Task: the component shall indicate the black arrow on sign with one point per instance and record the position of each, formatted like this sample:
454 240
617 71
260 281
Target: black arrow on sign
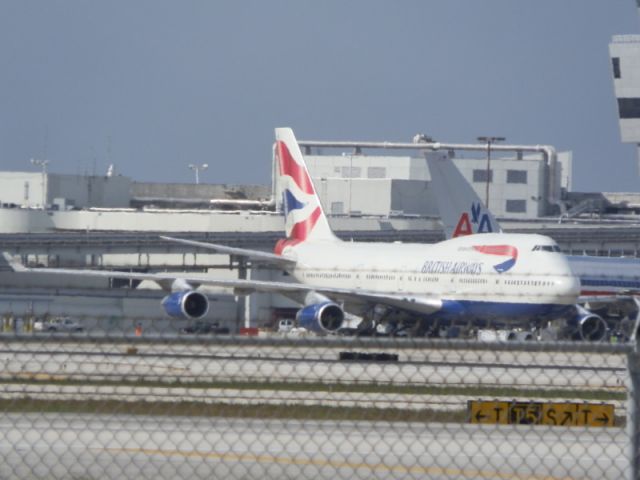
480 416
604 419
567 418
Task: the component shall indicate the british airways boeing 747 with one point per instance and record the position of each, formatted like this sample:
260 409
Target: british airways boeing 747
513 278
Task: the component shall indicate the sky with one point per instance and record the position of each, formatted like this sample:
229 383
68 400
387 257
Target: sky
152 86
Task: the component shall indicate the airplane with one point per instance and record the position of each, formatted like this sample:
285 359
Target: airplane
511 278
603 280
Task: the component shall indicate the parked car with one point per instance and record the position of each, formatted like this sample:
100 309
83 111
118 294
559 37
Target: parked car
59 324
201 327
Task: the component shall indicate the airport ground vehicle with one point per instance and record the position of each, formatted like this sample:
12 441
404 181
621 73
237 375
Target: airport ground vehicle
58 324
285 325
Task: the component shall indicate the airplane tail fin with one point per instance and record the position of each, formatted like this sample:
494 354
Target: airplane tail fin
461 210
304 217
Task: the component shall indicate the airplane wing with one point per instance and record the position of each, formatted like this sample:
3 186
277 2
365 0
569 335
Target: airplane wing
255 255
411 303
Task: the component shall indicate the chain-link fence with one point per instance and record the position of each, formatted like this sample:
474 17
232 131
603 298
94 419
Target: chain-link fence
85 407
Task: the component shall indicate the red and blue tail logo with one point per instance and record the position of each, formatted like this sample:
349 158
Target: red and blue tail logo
482 221
301 209
304 218
502 250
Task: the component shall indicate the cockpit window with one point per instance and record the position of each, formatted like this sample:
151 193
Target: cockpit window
546 248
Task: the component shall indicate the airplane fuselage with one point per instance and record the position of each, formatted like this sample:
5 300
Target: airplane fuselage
606 276
492 276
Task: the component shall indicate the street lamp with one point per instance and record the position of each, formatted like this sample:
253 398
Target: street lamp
489 141
43 164
197 168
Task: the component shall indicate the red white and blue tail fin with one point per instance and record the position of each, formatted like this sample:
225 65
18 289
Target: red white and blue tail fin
461 210
304 218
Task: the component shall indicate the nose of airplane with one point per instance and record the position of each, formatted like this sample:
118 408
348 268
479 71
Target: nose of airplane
568 287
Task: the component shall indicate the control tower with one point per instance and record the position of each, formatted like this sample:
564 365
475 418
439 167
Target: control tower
625 62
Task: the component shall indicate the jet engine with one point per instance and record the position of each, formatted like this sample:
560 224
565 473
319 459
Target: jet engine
590 327
583 325
187 304
321 317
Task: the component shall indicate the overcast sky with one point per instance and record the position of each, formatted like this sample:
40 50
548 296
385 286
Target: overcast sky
155 85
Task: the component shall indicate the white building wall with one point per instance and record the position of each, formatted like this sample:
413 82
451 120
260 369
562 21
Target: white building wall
90 191
504 193
26 189
412 197
565 160
21 188
359 166
354 196
342 179
624 51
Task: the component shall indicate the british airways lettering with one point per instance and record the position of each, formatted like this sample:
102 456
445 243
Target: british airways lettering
466 268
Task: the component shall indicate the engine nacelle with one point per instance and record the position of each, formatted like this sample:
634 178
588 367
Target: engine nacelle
321 317
188 304
591 328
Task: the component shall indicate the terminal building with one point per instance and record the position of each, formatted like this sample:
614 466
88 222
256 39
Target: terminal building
356 185
350 186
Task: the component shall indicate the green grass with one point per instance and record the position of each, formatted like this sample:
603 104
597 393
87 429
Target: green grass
195 409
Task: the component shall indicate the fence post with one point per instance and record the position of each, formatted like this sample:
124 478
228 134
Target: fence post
633 413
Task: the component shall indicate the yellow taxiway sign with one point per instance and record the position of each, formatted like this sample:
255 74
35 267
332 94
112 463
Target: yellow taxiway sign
537 413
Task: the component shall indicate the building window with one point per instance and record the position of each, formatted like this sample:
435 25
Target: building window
337 208
517 206
629 107
480 176
516 176
376 172
26 191
351 172
616 67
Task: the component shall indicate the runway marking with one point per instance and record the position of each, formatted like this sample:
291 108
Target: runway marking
377 467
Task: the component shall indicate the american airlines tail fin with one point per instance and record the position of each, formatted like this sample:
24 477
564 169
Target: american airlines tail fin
461 210
304 217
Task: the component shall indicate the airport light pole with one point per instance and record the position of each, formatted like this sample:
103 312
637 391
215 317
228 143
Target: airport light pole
43 164
489 141
197 168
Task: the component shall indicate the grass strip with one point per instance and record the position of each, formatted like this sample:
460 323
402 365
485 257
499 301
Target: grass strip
195 409
262 412
470 390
